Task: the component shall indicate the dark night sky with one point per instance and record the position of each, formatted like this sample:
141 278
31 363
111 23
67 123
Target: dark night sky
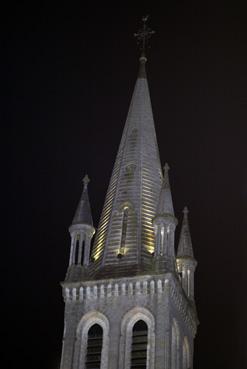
71 72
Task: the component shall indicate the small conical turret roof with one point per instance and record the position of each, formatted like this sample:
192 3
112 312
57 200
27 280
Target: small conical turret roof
165 204
83 214
185 248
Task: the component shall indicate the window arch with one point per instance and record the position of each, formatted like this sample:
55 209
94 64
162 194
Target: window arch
79 249
76 252
137 318
94 326
139 345
94 347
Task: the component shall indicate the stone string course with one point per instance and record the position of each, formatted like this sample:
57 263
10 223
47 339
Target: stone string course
104 290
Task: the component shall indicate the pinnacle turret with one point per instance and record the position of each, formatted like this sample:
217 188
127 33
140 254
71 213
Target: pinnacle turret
165 225
83 214
81 232
165 204
186 264
185 248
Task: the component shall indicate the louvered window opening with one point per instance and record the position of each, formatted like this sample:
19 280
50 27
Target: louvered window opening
124 230
76 256
94 347
79 252
139 346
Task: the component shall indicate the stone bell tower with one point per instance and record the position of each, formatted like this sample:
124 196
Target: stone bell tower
129 300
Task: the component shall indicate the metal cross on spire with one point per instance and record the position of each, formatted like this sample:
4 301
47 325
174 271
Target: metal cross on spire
143 35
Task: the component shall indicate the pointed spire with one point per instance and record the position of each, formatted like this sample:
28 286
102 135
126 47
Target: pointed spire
165 204
185 248
83 213
135 181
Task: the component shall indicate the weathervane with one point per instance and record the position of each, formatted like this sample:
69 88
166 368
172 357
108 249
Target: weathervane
143 35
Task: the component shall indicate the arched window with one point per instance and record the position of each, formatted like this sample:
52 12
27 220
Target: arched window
94 347
76 251
92 343
139 345
82 253
137 341
79 250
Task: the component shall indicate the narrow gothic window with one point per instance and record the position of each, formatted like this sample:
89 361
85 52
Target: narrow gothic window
76 251
139 346
124 230
167 238
94 347
162 240
188 283
79 251
82 252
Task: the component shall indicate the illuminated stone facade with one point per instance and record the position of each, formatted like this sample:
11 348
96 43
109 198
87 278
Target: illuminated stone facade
129 300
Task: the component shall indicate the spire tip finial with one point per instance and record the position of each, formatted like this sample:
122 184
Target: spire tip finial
166 168
185 210
145 18
166 182
86 181
185 217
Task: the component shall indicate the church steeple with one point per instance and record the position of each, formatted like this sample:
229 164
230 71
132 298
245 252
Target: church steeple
127 308
125 227
165 203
